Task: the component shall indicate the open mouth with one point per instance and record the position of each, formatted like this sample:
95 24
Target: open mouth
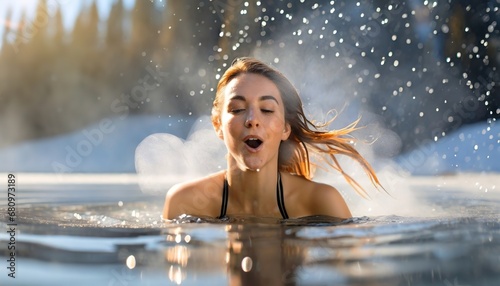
253 143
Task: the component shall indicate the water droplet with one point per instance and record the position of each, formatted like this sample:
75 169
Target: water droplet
130 262
246 264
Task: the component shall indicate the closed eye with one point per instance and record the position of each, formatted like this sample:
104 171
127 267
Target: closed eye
236 111
267 110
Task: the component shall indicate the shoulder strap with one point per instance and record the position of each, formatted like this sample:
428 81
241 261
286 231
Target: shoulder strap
279 197
225 192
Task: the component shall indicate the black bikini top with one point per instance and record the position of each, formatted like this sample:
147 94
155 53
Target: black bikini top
279 198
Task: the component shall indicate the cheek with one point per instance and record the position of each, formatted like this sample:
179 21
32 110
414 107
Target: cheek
229 125
277 125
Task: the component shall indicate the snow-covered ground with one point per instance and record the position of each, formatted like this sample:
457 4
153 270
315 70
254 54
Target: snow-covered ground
472 148
182 146
106 147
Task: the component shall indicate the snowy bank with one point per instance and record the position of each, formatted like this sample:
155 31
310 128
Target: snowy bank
110 145
471 148
107 146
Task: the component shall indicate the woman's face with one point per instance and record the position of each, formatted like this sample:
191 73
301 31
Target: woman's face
252 121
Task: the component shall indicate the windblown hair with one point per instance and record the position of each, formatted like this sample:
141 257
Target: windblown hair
305 136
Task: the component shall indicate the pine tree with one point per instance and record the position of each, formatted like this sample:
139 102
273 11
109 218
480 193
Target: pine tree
114 28
21 37
7 29
6 58
114 47
143 32
85 40
92 27
40 25
18 43
58 29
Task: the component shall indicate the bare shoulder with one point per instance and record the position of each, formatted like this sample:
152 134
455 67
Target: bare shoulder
314 198
197 197
327 200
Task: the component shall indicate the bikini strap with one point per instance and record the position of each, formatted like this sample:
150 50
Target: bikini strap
279 197
225 193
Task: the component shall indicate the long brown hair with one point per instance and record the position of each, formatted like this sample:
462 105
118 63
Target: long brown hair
305 136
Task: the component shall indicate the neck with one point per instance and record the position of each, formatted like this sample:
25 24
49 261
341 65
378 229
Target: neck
253 189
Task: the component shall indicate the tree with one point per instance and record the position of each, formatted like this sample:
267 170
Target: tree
58 29
40 24
114 26
143 32
6 57
7 29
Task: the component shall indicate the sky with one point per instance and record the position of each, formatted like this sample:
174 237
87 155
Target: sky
70 9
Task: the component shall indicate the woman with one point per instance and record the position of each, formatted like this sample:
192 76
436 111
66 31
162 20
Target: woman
259 116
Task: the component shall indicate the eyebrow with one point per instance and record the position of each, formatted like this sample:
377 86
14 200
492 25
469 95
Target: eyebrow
262 98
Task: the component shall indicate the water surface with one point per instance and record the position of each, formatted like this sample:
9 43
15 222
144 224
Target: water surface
121 240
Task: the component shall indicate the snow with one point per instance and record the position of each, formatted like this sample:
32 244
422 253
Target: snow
178 145
471 148
105 147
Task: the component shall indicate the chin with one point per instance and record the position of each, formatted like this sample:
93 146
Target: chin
252 166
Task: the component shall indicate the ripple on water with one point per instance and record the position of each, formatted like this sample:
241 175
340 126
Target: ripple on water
314 249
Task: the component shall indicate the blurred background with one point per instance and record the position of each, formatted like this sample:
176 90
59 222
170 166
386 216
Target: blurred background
84 82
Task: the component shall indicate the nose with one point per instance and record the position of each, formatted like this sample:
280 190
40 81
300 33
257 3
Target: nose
251 120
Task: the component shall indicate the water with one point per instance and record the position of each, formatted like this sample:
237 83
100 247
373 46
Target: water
109 233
